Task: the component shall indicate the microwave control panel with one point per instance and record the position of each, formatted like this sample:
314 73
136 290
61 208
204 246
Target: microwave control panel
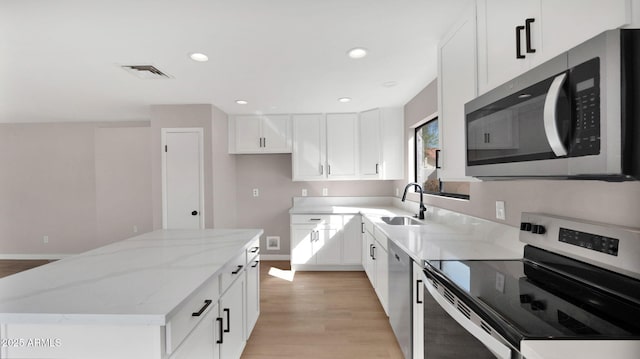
585 83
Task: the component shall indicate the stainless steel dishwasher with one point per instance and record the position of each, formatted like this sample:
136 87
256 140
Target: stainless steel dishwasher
400 297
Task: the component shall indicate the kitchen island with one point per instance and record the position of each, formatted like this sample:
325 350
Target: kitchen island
163 294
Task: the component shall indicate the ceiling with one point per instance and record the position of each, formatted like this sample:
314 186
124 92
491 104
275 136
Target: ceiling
61 60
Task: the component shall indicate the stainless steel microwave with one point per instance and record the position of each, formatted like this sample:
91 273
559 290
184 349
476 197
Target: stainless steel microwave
574 116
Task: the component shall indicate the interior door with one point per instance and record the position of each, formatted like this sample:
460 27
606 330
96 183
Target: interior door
182 183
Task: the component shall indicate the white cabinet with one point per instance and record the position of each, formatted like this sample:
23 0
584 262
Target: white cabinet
231 305
260 134
376 262
456 86
325 242
203 341
309 147
253 294
342 145
553 27
351 240
381 137
418 312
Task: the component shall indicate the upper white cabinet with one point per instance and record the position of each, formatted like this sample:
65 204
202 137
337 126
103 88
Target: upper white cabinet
456 86
342 145
514 36
260 134
309 147
381 134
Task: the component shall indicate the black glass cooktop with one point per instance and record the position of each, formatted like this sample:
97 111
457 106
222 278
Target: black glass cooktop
546 296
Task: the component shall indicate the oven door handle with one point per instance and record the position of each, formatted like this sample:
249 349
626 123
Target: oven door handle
550 116
499 349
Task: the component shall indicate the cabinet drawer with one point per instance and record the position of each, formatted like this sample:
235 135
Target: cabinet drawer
327 220
381 239
232 271
253 250
190 313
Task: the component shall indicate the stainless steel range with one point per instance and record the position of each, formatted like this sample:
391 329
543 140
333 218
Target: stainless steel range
576 293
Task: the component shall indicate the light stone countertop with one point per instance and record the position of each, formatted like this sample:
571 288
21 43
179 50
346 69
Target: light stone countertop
138 281
444 235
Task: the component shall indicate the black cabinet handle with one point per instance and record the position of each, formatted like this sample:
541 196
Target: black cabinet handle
254 249
219 320
237 270
194 213
328 169
377 168
438 159
362 224
418 290
519 29
374 253
264 142
527 25
207 303
255 264
228 311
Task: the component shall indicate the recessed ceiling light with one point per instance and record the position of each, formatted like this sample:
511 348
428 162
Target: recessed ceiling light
198 56
357 53
390 83
344 99
241 102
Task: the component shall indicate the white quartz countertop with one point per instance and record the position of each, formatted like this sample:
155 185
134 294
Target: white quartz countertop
443 235
140 281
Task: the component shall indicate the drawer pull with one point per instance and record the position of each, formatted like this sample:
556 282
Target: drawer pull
254 249
228 311
315 219
237 270
207 303
255 264
219 320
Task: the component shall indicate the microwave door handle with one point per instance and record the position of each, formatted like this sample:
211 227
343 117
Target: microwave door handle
550 116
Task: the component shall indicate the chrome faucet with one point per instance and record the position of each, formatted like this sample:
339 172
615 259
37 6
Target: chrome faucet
420 215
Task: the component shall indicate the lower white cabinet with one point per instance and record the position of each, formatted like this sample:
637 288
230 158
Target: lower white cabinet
376 262
231 305
202 342
418 312
253 294
325 242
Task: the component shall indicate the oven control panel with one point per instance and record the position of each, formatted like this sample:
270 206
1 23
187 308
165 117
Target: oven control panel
594 242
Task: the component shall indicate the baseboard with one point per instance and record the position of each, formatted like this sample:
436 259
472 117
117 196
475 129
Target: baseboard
332 268
33 256
275 257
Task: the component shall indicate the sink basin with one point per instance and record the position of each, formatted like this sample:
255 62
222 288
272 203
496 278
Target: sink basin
401 221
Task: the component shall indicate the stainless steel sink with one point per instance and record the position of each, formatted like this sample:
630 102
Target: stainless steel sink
401 221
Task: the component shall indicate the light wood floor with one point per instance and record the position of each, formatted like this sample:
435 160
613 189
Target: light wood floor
323 315
320 315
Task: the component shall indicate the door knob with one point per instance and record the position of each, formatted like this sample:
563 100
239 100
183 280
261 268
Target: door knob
194 213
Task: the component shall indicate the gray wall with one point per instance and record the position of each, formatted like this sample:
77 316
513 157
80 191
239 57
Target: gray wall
615 203
82 185
271 174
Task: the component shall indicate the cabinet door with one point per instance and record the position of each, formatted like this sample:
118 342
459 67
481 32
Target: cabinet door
456 86
392 165
276 134
253 294
232 313
381 258
497 22
327 247
248 136
352 240
202 341
369 263
301 249
370 141
418 312
308 147
342 144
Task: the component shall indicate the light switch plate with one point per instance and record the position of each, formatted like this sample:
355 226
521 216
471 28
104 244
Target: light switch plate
500 212
304 192
256 192
325 191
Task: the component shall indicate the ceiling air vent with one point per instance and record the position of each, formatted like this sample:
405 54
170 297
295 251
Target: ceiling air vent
146 72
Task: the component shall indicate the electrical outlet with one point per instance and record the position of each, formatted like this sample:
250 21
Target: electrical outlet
256 192
500 212
325 191
45 239
304 192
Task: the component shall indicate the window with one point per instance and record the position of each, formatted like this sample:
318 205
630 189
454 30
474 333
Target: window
427 147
